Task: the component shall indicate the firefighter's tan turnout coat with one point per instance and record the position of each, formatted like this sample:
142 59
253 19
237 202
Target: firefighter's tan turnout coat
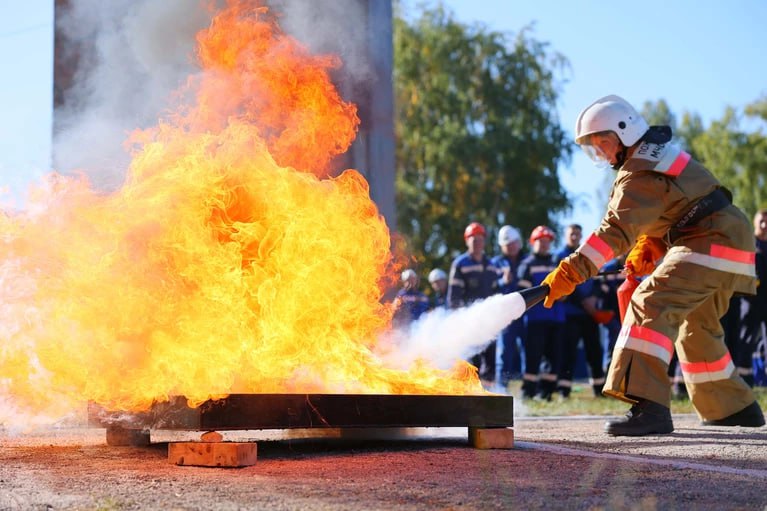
680 303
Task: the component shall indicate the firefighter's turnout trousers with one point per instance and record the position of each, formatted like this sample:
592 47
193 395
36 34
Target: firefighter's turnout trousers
679 306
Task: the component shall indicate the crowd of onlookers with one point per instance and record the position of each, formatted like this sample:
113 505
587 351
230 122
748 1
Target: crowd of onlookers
549 348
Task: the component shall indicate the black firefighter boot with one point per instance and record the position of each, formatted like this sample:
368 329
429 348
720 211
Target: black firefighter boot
645 418
749 417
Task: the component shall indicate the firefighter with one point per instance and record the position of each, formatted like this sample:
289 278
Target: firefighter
473 277
545 328
669 207
510 243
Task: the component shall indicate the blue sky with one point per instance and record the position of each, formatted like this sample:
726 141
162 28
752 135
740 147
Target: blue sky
26 53
699 56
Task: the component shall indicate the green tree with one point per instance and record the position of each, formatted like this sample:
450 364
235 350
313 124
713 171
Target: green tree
737 157
478 136
754 179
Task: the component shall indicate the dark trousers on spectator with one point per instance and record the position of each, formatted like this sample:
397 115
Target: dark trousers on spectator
613 329
577 327
485 362
511 359
754 325
676 377
543 349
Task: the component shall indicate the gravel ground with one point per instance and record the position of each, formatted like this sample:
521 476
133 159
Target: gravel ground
557 463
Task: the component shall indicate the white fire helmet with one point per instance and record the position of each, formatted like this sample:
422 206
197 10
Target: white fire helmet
508 234
408 274
610 113
436 274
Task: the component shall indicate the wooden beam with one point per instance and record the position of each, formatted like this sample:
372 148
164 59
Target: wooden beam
288 411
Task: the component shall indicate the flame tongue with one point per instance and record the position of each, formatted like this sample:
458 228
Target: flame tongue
267 79
226 263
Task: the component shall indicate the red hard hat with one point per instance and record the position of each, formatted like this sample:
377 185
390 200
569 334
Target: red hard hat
473 229
541 232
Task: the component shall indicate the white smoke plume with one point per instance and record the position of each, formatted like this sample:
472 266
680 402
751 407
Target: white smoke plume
131 56
315 24
444 336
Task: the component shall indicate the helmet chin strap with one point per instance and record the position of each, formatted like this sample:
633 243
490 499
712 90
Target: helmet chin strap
620 158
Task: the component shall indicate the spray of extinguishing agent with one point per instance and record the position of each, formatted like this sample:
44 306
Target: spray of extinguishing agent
461 332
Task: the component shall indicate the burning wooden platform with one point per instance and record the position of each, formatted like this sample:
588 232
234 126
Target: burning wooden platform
488 417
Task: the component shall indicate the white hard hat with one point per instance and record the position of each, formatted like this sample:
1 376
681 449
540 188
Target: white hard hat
408 274
436 274
507 234
611 113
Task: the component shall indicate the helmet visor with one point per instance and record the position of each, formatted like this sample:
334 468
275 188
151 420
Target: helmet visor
595 154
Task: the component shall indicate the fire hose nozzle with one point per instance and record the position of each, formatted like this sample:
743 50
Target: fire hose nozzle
534 295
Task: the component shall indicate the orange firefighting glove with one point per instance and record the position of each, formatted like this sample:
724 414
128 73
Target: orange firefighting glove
561 282
641 260
602 317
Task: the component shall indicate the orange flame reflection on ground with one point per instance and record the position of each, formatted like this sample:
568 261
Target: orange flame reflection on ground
228 262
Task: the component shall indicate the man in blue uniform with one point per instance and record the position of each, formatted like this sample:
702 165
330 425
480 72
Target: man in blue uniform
438 283
410 303
508 261
545 327
473 277
582 320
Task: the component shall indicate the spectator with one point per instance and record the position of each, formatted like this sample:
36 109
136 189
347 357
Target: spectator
755 319
760 363
438 282
508 262
473 277
582 320
409 303
670 207
545 327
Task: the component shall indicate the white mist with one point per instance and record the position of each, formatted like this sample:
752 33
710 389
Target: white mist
444 336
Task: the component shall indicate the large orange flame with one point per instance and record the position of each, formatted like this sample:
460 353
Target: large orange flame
228 262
